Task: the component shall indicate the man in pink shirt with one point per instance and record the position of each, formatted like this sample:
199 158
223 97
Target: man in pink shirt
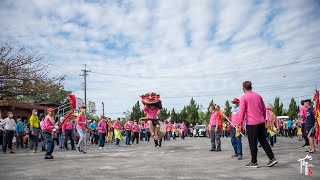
128 128
67 131
183 128
253 107
48 127
303 117
147 133
135 130
81 127
102 129
169 130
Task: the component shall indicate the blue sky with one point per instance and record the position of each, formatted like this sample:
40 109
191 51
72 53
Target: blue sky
180 49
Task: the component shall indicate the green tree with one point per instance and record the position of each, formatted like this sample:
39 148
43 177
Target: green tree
182 115
163 114
174 116
227 109
136 113
293 109
192 112
277 107
208 113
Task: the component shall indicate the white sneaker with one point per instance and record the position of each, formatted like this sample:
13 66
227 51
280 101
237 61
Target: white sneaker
100 148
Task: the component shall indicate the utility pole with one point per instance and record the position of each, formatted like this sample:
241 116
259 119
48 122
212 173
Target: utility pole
85 71
103 108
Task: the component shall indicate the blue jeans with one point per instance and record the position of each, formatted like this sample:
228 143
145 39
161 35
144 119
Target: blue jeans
81 140
128 136
148 136
236 142
102 139
61 140
117 141
50 144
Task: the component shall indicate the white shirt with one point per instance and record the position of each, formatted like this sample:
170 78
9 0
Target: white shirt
8 124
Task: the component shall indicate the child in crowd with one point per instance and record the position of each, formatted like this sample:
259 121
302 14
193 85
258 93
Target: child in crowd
299 133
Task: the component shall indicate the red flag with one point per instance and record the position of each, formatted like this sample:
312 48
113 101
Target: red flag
72 100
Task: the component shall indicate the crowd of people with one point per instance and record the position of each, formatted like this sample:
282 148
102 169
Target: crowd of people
249 116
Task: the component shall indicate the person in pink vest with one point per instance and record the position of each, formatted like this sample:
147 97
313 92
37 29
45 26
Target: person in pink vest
183 128
175 131
48 126
117 132
102 129
147 133
67 131
252 106
128 128
135 129
169 130
81 127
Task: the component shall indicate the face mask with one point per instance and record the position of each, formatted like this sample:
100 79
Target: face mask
35 113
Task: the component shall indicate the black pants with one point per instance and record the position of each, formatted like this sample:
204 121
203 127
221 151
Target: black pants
7 140
257 132
135 137
68 135
305 136
290 133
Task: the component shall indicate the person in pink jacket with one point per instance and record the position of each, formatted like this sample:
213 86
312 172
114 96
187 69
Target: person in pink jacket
102 129
183 128
135 129
253 107
48 126
169 130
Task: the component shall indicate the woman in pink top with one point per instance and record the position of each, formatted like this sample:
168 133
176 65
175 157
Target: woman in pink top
253 107
102 129
174 131
117 131
81 126
67 131
135 130
48 126
152 114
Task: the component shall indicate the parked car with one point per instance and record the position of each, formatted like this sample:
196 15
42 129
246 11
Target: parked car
202 131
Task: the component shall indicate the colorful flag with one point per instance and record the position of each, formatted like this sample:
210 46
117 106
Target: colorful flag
317 114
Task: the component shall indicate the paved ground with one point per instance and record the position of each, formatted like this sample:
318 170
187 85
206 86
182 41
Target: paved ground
188 159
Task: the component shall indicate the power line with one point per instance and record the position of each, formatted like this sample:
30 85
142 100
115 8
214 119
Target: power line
209 75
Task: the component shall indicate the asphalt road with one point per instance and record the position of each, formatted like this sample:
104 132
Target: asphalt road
181 159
